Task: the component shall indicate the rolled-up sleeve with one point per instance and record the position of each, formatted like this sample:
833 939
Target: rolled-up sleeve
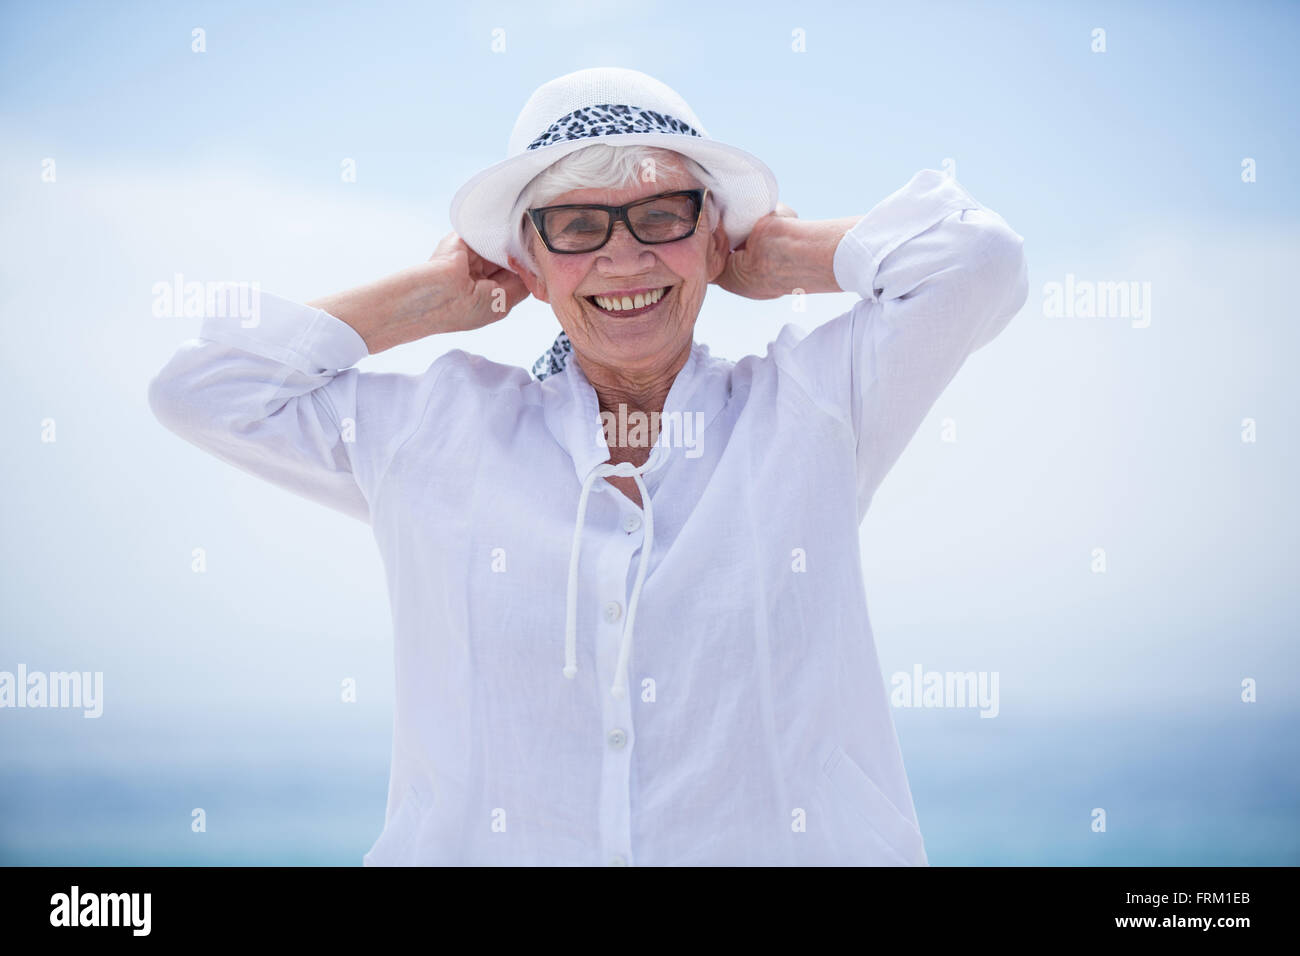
939 276
278 398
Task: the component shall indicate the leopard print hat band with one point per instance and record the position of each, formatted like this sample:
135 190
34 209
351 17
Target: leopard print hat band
610 119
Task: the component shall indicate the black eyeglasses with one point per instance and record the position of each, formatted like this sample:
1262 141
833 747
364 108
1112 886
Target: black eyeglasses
585 227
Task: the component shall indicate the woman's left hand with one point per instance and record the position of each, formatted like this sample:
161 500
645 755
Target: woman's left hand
784 254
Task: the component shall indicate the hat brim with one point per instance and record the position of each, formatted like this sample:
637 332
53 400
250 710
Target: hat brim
480 210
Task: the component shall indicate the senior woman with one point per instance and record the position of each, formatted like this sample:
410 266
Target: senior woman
622 645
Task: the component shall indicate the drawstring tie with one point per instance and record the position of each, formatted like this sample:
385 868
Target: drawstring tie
622 470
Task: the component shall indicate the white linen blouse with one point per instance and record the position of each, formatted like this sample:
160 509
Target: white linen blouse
580 681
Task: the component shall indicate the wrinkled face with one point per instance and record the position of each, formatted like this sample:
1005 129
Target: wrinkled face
634 342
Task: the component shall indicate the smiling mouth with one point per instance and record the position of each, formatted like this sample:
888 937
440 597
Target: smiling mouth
628 306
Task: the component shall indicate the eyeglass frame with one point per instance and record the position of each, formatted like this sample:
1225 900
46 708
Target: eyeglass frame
617 214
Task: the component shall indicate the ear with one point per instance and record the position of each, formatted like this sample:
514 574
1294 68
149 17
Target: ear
718 252
535 284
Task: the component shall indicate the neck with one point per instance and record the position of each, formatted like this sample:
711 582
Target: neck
641 394
639 390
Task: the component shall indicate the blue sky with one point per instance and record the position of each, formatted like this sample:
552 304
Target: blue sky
1074 433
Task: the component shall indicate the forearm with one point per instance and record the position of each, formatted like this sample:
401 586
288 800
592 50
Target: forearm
399 308
784 255
810 263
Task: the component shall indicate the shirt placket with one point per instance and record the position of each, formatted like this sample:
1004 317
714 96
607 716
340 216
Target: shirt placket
618 552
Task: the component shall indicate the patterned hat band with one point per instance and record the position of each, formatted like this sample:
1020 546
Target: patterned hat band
610 119
605 119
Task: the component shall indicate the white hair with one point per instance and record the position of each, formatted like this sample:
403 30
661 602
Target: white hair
601 166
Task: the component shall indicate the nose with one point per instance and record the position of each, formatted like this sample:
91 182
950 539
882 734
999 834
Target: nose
623 248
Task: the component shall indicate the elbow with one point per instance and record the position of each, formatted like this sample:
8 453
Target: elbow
998 277
1013 271
162 398
1003 272
171 401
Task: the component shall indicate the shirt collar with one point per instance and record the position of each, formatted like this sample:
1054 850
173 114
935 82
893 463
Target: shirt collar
572 411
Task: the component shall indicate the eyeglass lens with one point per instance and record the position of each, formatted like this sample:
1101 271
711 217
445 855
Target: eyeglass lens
663 219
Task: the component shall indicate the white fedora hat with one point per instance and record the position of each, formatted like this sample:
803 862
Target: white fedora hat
617 107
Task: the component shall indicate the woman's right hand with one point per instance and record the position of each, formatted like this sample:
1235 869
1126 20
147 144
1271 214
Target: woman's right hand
482 291
454 291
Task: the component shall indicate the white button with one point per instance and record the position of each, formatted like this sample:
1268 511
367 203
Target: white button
618 861
613 611
631 522
617 738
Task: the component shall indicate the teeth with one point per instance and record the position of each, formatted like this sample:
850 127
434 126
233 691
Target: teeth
640 301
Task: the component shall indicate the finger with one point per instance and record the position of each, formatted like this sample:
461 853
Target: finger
485 290
478 266
516 291
783 210
726 267
447 245
498 274
481 267
732 276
